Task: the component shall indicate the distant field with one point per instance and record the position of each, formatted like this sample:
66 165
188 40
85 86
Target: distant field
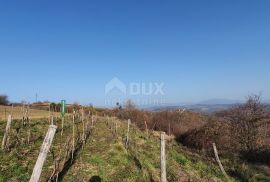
17 113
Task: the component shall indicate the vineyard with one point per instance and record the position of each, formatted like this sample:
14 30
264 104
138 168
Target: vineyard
96 148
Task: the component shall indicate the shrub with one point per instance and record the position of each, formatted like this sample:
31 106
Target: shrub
242 130
4 100
172 122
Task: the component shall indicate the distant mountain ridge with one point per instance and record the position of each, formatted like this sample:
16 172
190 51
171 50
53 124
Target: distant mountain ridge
207 106
220 102
267 101
202 108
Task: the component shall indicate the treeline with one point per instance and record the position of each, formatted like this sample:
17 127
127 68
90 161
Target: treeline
242 131
4 100
172 122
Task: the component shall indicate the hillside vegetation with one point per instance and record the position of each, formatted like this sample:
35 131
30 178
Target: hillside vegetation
93 145
102 157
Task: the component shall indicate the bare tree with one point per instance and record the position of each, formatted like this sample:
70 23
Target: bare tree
247 121
4 100
130 105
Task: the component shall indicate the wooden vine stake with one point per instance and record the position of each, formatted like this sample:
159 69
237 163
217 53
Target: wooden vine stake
25 115
43 153
115 129
73 135
146 128
162 158
83 134
52 122
12 107
29 127
92 125
5 113
218 161
62 130
107 121
127 137
88 119
4 142
169 141
49 121
22 109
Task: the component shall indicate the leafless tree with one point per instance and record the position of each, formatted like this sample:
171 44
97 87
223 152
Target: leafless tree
130 105
248 121
4 100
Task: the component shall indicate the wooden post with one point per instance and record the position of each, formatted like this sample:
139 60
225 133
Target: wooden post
23 118
12 110
49 113
88 120
169 141
127 134
4 142
27 114
107 121
5 113
162 158
29 133
92 125
62 125
89 114
218 161
169 128
83 135
52 121
73 135
29 127
43 153
22 108
115 130
146 128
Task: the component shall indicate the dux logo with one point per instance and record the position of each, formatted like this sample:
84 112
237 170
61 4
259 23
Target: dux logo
115 83
134 88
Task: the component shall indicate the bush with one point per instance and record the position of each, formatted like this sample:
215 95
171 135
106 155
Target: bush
172 122
4 100
242 130
213 132
249 124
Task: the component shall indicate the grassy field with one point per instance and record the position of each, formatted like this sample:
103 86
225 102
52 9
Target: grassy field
17 113
103 156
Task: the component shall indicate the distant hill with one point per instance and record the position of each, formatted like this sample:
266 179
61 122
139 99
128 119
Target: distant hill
207 106
267 101
202 108
219 102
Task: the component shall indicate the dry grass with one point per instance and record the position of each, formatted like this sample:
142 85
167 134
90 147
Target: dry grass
17 113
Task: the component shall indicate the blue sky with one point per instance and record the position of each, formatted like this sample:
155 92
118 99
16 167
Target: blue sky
70 49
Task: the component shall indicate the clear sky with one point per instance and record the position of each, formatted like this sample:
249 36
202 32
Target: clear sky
70 49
